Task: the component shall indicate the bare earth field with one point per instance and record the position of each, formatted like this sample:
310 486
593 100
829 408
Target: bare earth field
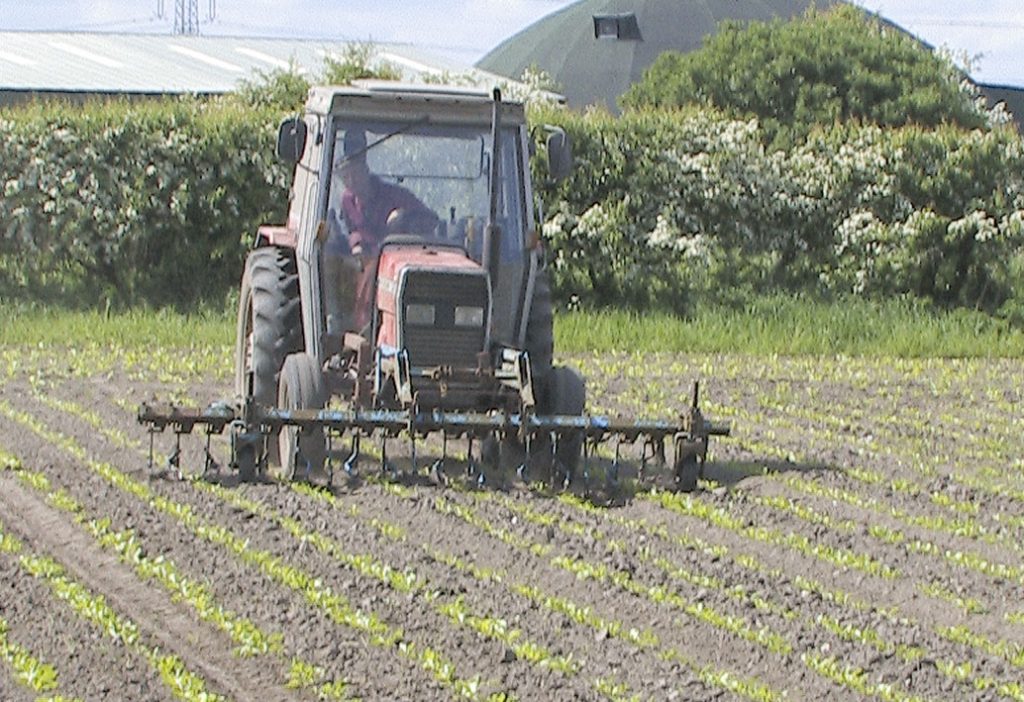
859 536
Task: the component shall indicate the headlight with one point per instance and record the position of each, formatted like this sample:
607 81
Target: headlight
421 315
469 316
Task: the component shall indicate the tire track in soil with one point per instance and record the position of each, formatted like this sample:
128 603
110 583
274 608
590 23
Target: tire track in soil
309 632
170 626
667 671
90 665
186 494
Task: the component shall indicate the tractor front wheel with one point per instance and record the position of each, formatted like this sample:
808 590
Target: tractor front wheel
302 387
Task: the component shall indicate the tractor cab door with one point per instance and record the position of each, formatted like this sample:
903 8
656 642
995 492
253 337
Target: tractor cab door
514 259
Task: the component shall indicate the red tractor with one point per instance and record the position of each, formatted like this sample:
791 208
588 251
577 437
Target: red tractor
407 294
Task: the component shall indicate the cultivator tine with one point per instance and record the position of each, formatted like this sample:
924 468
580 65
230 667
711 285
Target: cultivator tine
329 460
174 460
300 460
586 467
612 477
351 464
645 457
387 469
481 479
500 479
472 467
437 469
211 465
523 471
412 449
152 431
557 469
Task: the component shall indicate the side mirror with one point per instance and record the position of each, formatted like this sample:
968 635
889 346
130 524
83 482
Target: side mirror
291 140
559 153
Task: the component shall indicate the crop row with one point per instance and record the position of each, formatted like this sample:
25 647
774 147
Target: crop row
576 613
872 379
843 631
582 568
838 668
29 671
921 454
962 526
310 587
248 638
404 580
409 582
850 604
863 635
874 425
179 680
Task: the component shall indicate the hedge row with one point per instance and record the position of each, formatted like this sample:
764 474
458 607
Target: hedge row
664 205
132 203
155 203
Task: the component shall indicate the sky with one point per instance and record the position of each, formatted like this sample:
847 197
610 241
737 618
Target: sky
988 33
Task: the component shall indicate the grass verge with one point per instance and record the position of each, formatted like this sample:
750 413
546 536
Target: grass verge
782 325
793 326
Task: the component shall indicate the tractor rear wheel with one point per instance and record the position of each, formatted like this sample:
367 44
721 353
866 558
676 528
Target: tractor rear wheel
567 395
269 326
302 387
540 339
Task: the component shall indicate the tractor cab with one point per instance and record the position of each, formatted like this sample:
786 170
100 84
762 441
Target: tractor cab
389 173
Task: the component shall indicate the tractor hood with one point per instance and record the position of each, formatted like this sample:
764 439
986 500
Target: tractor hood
434 302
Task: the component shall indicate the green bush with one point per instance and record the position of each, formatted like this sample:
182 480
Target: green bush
837 65
142 202
155 203
936 213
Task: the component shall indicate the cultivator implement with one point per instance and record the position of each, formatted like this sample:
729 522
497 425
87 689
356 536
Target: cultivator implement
537 437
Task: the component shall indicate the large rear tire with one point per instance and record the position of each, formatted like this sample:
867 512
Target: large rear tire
302 387
540 338
269 326
567 395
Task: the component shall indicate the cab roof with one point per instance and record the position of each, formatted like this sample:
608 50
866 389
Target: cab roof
389 96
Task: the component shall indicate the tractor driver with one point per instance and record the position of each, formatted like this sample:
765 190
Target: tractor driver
371 209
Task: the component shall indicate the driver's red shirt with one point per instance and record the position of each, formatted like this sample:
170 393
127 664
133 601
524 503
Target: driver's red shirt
366 218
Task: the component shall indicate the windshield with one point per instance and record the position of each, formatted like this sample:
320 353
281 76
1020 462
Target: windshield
444 167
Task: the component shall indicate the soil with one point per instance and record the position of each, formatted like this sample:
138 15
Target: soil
858 535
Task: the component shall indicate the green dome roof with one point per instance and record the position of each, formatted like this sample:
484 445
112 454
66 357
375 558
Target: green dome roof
596 71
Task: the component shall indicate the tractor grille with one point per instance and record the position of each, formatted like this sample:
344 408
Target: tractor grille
442 342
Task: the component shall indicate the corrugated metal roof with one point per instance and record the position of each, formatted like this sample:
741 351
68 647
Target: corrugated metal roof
136 63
